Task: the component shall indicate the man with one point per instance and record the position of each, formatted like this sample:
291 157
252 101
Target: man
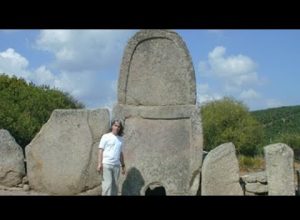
110 158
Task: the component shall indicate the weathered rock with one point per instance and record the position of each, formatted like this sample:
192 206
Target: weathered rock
157 102
12 167
220 172
255 177
156 70
249 194
280 170
26 187
96 191
25 180
256 188
62 158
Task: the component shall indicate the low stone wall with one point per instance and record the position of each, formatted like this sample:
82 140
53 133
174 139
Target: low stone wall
255 183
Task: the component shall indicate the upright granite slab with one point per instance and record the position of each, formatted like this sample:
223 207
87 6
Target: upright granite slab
62 158
157 103
12 167
220 172
280 169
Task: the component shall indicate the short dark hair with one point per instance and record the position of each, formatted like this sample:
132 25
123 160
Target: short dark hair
120 133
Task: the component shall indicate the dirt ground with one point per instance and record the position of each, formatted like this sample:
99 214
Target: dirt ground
16 191
10 192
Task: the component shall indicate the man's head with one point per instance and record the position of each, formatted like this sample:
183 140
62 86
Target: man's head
116 127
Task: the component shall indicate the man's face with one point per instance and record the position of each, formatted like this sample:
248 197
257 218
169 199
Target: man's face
116 128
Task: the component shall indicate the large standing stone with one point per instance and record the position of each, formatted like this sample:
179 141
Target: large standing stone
156 71
220 172
280 169
157 102
11 160
62 158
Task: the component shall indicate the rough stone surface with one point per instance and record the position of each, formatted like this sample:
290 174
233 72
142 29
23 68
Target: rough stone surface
26 187
12 167
220 172
92 192
162 154
280 169
156 70
256 188
25 180
255 177
157 103
249 194
62 158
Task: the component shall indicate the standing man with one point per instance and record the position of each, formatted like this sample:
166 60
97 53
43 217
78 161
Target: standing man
111 158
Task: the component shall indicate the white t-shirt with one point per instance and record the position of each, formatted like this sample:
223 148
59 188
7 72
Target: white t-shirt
112 147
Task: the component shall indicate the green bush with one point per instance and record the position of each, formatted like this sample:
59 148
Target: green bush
251 163
291 139
24 107
228 120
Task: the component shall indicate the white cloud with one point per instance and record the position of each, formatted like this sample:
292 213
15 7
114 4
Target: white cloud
232 75
236 70
92 88
205 94
43 76
13 63
83 50
249 94
204 98
87 62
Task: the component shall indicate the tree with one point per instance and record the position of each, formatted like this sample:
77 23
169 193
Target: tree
229 120
25 107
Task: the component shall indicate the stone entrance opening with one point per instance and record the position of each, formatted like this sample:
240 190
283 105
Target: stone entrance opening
155 189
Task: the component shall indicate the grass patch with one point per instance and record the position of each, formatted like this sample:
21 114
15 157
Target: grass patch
247 163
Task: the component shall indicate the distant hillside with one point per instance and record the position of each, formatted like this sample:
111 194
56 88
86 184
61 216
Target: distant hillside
278 121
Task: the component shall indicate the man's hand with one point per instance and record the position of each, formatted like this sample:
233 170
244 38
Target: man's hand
123 170
100 168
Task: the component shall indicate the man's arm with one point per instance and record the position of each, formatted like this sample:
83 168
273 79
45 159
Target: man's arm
100 158
122 159
122 163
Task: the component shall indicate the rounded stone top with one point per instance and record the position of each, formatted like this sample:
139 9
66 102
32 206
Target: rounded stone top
156 70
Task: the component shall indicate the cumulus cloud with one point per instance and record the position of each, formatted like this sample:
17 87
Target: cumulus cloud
236 70
82 50
249 94
43 76
205 94
235 75
87 62
13 63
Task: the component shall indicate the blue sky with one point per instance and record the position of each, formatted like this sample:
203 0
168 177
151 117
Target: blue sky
259 67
